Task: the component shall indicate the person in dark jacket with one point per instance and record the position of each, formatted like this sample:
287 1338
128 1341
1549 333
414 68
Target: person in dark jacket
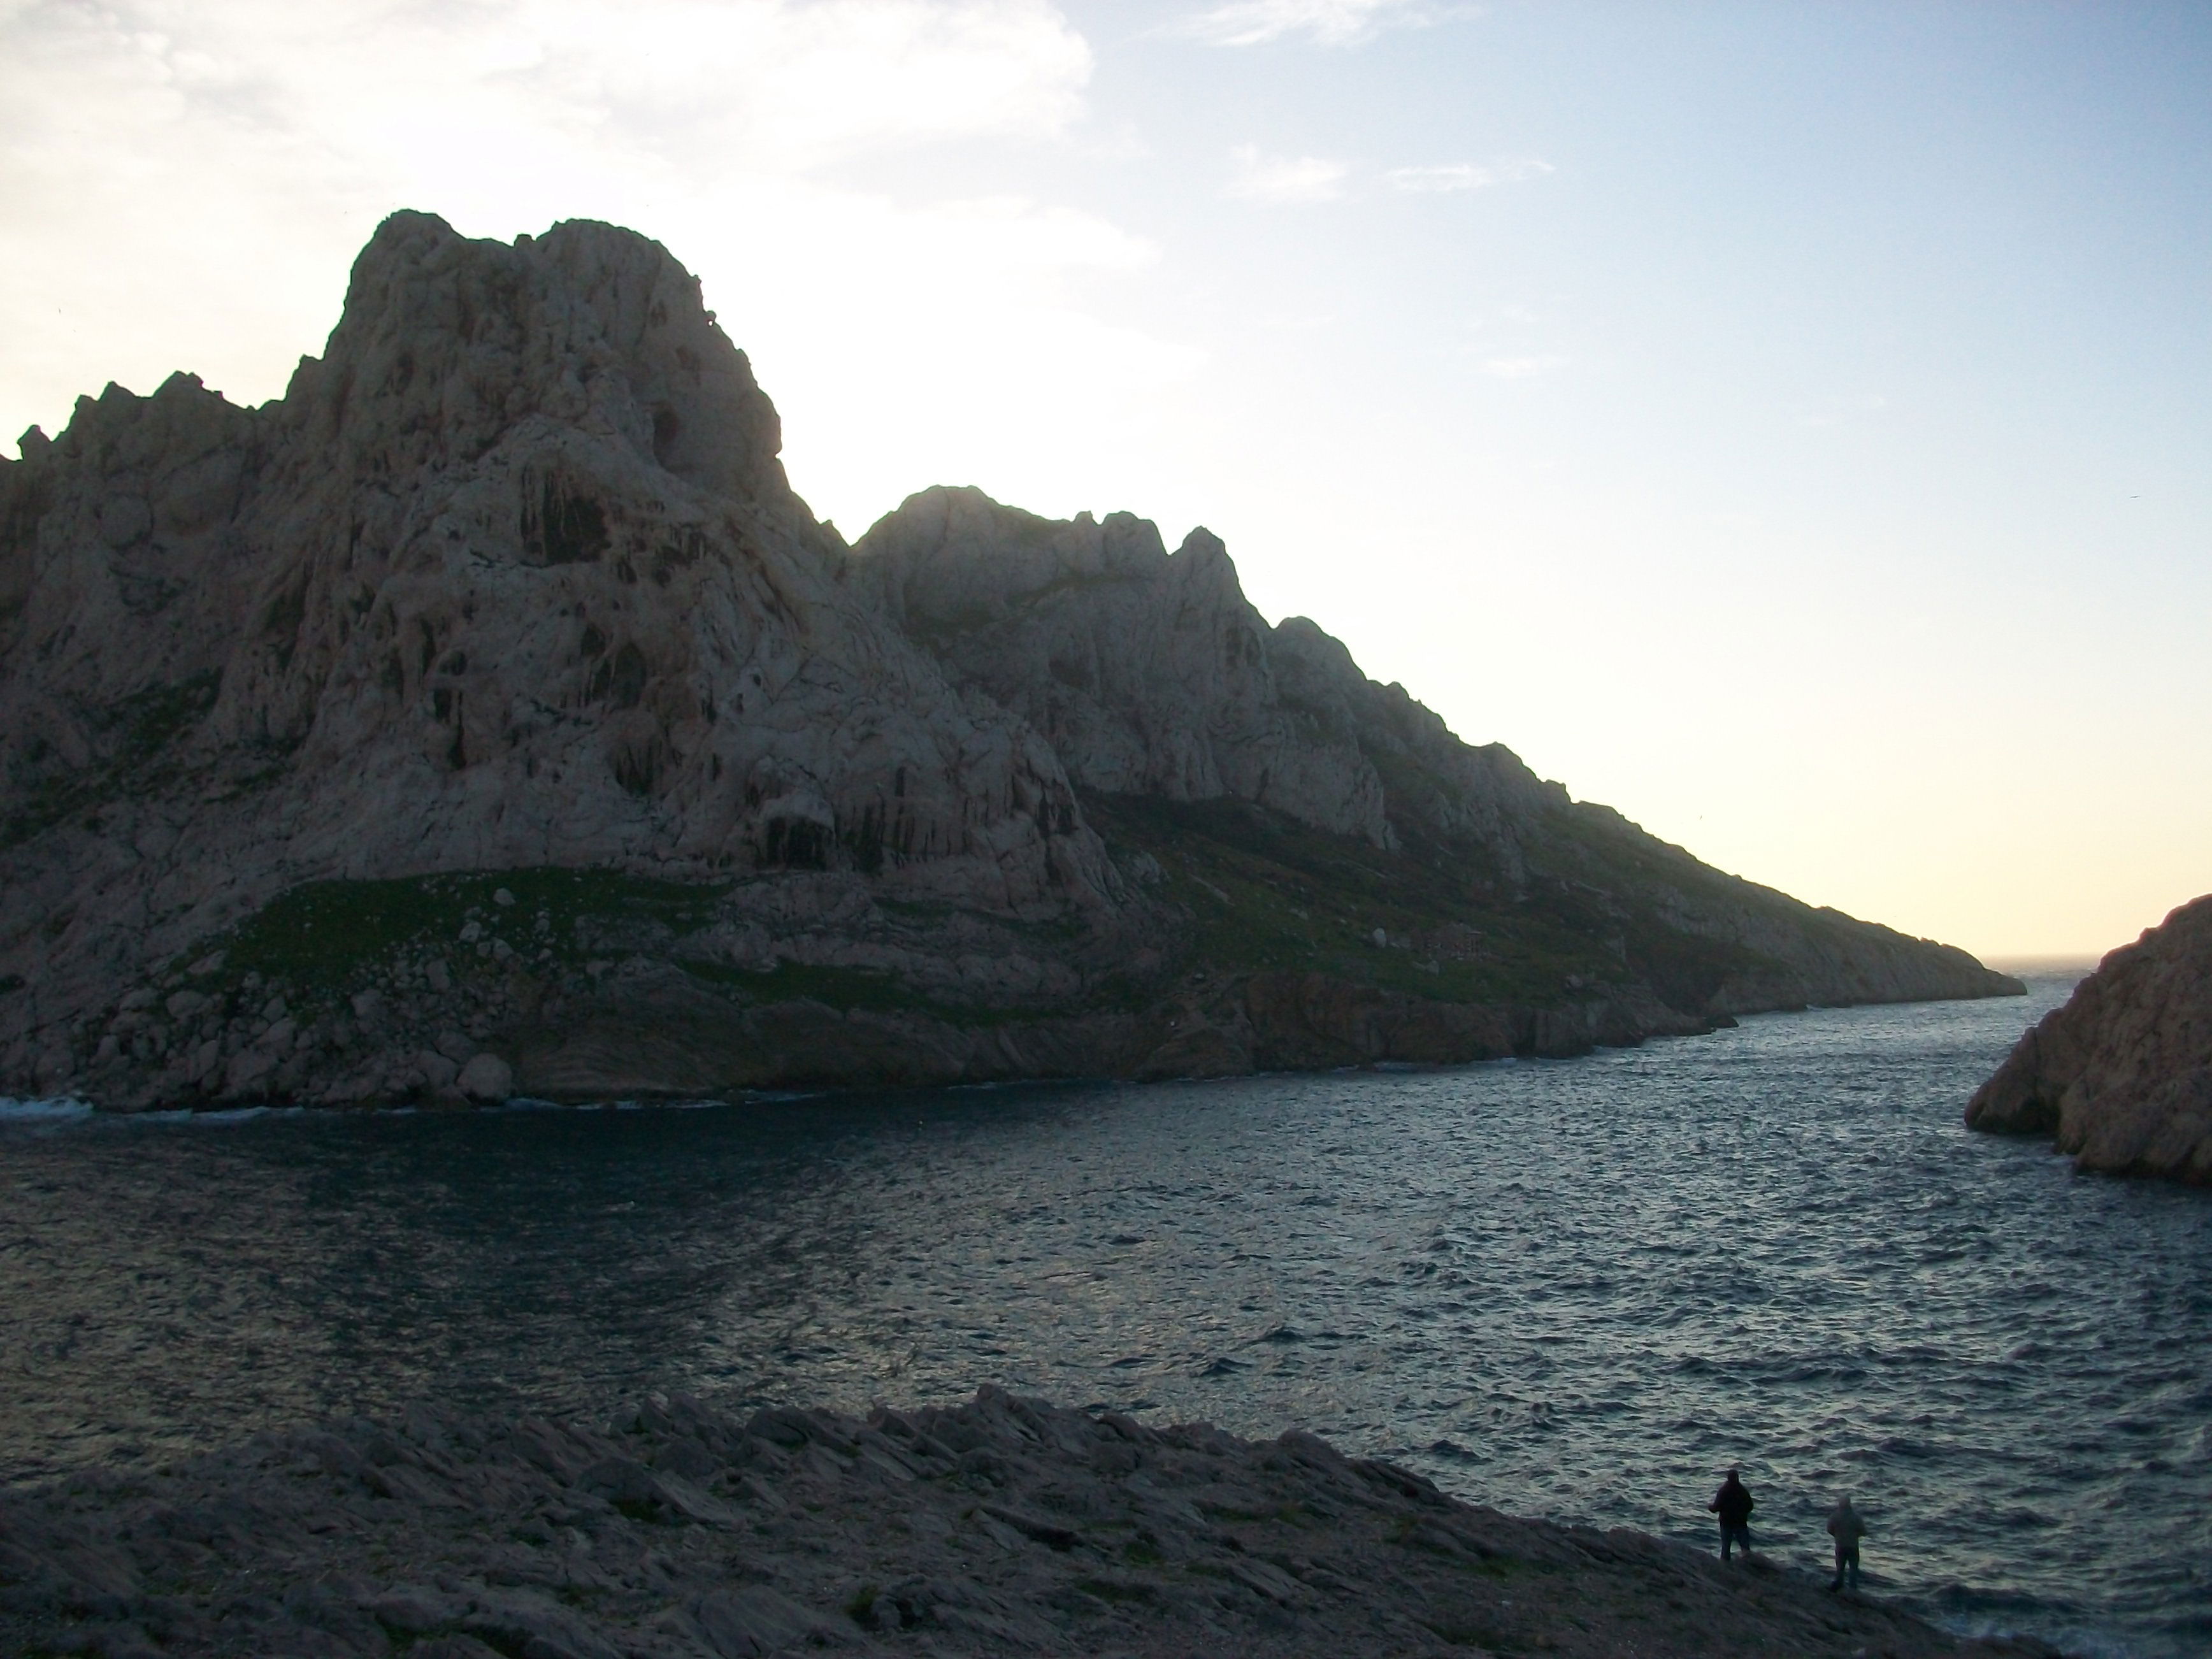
1845 1526
1733 1503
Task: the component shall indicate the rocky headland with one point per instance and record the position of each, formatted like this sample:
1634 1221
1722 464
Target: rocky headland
2121 1075
1000 1527
488 715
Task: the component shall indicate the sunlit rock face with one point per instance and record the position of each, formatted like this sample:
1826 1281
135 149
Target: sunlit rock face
1151 673
534 567
2122 1074
1148 671
511 575
511 580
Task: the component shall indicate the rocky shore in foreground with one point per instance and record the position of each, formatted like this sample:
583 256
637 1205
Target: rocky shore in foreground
1003 1526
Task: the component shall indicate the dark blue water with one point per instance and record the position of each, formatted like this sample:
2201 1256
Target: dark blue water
1577 1288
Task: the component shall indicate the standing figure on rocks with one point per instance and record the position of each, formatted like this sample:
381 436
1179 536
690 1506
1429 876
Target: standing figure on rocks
1733 1503
1845 1526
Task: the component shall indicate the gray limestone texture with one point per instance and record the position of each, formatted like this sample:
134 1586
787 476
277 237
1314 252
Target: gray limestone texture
322 701
2121 1076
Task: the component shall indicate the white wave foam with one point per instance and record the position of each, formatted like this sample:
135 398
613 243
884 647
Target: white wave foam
43 1111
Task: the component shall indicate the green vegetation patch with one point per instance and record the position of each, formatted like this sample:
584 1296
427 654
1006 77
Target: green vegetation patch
328 935
839 988
1266 893
326 931
1597 857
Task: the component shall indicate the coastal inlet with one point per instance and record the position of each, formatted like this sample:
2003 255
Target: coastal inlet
1578 1288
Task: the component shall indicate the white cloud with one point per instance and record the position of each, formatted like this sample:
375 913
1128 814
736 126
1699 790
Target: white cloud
183 184
1258 178
1326 22
1465 175
1520 368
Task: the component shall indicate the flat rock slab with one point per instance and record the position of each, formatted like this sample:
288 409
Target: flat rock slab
1003 1526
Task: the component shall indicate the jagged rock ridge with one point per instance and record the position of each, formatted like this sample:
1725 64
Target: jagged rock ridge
509 595
2121 1076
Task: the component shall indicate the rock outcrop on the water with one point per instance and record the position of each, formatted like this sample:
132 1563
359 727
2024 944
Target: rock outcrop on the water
1000 1527
489 714
2122 1074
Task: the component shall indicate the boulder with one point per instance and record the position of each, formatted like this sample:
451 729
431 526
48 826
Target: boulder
2121 1076
486 1077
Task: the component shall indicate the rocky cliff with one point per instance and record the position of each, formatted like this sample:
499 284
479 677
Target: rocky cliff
488 713
2121 1075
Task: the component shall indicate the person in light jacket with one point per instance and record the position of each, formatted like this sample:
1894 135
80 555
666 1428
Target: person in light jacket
1846 1529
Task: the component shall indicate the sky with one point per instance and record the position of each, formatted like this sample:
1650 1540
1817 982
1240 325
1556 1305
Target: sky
1787 424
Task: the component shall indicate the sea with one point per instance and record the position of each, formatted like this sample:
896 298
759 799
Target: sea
1580 1288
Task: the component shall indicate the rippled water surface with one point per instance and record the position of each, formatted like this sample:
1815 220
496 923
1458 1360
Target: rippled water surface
1576 1288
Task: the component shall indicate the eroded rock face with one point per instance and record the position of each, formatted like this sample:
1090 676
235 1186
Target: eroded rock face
509 593
510 577
1151 674
2121 1075
556 589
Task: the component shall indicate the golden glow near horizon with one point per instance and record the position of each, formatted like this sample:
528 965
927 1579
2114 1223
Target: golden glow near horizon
1786 428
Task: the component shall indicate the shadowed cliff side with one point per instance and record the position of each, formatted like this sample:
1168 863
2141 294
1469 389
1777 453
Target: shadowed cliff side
2121 1075
488 715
